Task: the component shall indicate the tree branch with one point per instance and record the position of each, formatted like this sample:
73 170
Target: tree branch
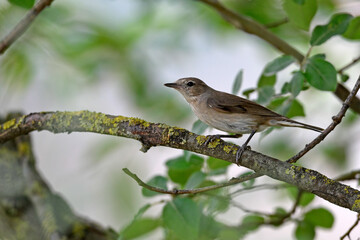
347 234
157 134
353 175
175 192
23 25
29 208
252 27
354 61
336 120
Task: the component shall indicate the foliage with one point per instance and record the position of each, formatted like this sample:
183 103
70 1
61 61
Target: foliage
90 47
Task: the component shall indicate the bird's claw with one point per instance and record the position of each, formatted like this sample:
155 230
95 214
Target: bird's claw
211 138
240 152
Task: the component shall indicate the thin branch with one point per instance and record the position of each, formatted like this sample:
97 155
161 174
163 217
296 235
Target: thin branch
252 27
189 191
158 134
347 234
353 175
336 120
23 25
341 70
260 187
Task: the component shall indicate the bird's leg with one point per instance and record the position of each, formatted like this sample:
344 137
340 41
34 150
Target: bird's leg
243 147
211 138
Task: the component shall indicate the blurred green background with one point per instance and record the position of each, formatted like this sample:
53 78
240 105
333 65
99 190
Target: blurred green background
113 56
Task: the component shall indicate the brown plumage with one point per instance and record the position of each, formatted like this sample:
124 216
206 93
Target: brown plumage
230 113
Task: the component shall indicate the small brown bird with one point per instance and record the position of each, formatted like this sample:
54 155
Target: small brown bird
230 113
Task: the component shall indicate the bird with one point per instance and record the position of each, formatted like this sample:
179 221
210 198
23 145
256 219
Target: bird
230 113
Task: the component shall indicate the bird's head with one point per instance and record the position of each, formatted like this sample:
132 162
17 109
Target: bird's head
189 87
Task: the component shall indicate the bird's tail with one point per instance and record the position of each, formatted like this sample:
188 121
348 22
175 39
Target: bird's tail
285 122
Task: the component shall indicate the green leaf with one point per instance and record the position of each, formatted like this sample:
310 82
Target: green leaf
265 94
141 211
353 30
287 106
214 163
305 231
277 65
195 180
248 91
301 2
216 205
278 216
23 3
252 222
344 77
285 88
156 181
237 83
296 83
300 14
139 228
266 81
179 169
182 217
209 228
295 109
321 74
319 56
320 217
337 25
199 127
306 198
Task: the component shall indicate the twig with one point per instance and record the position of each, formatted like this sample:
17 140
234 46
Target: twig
190 191
347 234
340 71
260 187
353 175
252 27
336 120
23 25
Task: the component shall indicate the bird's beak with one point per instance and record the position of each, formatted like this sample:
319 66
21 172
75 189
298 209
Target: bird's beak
172 85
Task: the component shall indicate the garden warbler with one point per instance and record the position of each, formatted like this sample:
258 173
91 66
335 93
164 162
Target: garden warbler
230 113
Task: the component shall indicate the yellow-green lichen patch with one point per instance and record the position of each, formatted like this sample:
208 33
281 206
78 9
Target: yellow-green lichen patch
312 177
138 121
24 148
356 206
113 131
290 171
227 148
346 189
201 139
79 230
214 143
9 124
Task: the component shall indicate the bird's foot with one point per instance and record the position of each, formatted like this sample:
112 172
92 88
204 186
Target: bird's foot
240 152
211 138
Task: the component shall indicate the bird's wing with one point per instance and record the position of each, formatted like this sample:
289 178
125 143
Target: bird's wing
229 103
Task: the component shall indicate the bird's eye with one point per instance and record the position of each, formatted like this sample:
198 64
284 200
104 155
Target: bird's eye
190 84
